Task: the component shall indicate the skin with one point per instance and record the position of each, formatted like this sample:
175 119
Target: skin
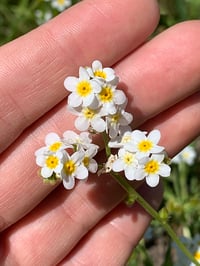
47 225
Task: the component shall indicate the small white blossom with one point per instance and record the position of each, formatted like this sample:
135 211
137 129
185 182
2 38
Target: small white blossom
88 160
82 140
102 73
50 164
187 155
60 5
152 168
53 144
110 98
83 90
122 140
144 145
90 119
126 162
115 122
42 16
73 168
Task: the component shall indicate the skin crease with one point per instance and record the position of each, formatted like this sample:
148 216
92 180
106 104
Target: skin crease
47 225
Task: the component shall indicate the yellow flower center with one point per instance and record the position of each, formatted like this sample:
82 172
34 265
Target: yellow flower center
151 167
128 158
55 146
186 155
115 118
100 73
106 95
88 113
69 167
52 161
86 161
145 145
84 88
61 2
126 139
197 255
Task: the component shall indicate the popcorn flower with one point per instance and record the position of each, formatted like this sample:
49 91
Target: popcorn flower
100 107
60 5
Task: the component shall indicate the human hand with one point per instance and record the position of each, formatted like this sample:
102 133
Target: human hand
47 225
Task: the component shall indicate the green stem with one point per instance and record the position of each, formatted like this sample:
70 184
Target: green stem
106 140
134 195
183 181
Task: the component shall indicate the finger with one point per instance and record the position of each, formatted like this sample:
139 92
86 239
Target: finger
33 67
180 124
113 240
25 178
59 222
163 71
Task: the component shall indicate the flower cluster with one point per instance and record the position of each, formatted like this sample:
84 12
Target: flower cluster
140 156
96 100
67 158
100 108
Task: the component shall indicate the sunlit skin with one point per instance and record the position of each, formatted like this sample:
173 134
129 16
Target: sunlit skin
89 223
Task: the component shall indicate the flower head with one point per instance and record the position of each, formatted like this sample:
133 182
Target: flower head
73 168
60 5
152 168
83 89
145 145
50 164
126 162
102 73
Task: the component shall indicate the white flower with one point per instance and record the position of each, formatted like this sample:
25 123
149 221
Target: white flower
126 162
73 168
187 155
115 122
53 144
60 5
122 140
151 168
82 140
106 73
88 160
42 16
145 145
90 119
50 164
83 89
196 256
109 97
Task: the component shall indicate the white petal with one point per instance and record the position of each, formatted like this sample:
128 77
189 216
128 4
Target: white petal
138 135
41 151
93 166
152 180
88 99
74 100
81 123
118 165
51 138
83 74
119 97
98 124
77 156
46 172
96 65
81 172
69 182
96 86
139 174
70 136
70 83
125 119
164 170
154 136
40 160
129 173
